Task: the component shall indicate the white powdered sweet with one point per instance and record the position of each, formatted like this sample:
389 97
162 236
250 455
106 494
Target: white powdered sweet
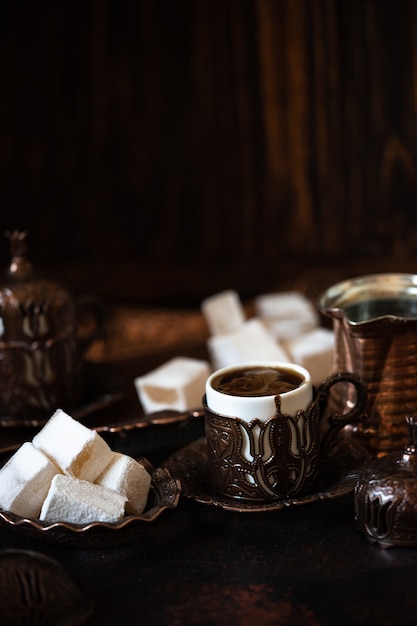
250 342
178 384
223 312
25 480
129 478
314 351
77 450
81 502
287 314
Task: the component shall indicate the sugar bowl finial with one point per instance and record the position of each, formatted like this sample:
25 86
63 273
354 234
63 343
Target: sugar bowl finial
386 496
411 448
19 250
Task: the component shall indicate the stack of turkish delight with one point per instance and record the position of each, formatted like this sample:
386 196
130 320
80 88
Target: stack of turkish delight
285 327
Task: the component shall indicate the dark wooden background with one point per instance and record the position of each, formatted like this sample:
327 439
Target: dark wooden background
158 151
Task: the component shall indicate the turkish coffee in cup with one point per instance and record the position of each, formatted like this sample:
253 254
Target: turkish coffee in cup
257 381
249 391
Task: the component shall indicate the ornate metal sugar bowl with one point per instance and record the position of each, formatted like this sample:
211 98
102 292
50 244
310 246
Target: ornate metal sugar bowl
41 351
386 496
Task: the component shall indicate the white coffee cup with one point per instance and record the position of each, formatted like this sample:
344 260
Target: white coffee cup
260 407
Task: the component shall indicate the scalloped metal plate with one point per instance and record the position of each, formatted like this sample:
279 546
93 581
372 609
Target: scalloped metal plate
164 494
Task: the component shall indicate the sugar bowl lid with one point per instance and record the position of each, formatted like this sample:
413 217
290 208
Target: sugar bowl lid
386 496
33 305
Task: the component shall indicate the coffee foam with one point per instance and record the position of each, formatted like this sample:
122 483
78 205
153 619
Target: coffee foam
263 381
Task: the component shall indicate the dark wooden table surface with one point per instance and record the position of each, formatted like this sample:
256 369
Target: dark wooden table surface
198 564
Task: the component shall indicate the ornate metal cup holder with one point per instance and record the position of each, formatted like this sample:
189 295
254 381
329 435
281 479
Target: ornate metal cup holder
257 460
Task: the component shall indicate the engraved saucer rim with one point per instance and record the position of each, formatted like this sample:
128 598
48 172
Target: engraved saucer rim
188 465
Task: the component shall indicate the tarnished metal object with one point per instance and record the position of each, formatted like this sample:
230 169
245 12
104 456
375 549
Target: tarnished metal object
36 589
375 324
337 477
41 350
283 454
386 496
